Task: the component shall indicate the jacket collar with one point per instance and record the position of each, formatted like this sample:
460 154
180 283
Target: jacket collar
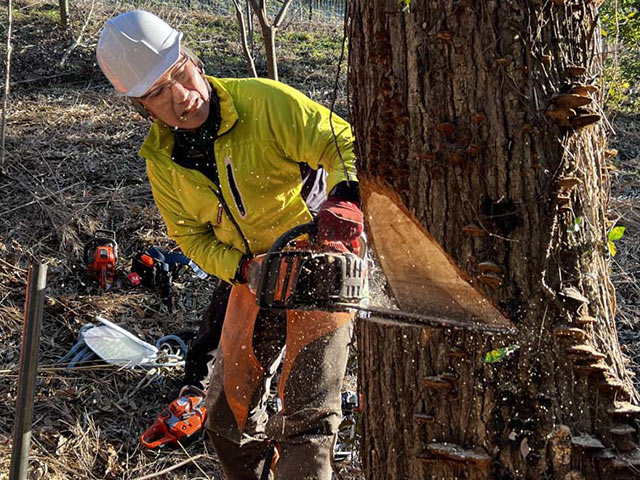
228 113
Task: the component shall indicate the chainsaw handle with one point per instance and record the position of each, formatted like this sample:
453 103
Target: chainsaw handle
310 228
156 435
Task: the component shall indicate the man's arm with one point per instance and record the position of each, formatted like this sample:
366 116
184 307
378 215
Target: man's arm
196 240
305 131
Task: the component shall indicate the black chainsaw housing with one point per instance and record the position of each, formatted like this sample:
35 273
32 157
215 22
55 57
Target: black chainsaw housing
305 280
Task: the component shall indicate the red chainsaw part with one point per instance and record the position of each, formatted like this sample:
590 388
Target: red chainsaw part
182 418
147 260
100 256
103 266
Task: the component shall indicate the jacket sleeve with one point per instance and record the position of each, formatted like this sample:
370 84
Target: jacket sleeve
196 239
305 131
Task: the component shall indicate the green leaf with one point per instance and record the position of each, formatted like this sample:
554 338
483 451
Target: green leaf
616 233
499 354
575 226
612 248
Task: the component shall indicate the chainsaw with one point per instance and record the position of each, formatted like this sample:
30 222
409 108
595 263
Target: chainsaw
100 256
157 267
300 273
180 421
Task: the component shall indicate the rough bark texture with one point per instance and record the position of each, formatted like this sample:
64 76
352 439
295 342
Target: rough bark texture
472 112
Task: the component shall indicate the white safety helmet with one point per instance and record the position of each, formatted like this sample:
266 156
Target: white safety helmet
135 49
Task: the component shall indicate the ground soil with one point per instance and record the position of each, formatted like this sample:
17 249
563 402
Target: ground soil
70 167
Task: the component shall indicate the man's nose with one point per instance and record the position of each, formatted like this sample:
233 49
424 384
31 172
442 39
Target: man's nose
179 93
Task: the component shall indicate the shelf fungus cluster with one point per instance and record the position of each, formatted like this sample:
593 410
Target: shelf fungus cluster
490 274
619 458
570 110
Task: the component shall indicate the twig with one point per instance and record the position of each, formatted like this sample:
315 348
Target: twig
243 37
6 86
37 200
77 42
171 468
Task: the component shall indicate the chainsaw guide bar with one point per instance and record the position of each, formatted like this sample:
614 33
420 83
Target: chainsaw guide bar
398 318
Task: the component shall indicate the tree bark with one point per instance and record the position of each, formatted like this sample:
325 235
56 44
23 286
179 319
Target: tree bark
483 121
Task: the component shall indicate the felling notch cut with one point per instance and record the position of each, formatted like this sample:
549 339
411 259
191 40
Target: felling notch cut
422 276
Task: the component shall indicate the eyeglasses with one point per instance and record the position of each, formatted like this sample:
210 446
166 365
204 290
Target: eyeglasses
179 74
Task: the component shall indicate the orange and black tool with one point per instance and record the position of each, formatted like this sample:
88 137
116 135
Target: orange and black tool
180 421
101 255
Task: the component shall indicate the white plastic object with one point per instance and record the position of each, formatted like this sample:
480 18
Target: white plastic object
135 49
201 274
116 345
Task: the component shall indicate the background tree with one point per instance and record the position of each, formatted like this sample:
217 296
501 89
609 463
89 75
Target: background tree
481 123
268 27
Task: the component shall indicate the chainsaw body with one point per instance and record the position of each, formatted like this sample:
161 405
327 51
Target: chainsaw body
101 255
309 278
179 421
157 267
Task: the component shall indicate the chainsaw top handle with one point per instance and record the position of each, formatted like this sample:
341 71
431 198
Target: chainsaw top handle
310 229
100 238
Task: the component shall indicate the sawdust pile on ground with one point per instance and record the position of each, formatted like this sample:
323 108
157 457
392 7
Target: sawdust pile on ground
71 168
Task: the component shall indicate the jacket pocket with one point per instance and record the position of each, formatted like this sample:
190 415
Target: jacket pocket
237 197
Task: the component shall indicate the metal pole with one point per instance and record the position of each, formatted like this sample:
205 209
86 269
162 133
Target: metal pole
36 284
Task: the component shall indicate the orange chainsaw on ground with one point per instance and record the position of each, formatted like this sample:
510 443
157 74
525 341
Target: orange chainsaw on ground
101 255
180 421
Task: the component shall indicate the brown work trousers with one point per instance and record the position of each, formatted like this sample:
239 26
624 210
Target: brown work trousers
312 371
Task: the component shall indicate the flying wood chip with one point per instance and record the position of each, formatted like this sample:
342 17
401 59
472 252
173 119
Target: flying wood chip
423 277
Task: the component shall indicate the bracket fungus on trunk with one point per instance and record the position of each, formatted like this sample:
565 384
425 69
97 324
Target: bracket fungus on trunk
586 320
585 352
473 230
455 453
587 442
424 419
570 333
572 100
575 71
437 383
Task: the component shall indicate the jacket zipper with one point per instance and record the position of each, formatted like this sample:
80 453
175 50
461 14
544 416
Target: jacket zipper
220 198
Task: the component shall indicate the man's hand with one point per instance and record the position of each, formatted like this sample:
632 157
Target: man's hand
242 273
339 220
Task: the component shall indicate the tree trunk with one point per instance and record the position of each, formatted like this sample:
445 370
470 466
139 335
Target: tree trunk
480 121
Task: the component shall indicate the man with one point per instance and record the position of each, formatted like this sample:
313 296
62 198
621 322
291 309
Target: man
224 160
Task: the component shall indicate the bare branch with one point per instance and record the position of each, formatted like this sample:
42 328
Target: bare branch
6 87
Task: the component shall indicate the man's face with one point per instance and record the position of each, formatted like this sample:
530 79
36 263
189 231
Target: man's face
180 98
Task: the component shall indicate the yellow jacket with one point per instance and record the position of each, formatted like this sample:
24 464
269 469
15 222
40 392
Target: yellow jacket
266 129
